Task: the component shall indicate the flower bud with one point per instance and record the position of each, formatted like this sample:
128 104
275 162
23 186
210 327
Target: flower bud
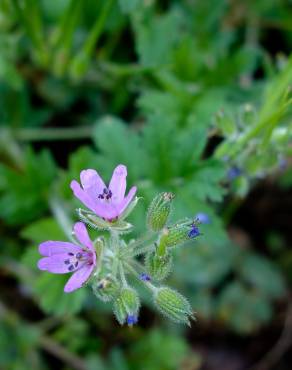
159 211
158 266
126 306
106 289
176 235
173 305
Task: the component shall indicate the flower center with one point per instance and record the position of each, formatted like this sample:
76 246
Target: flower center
75 259
106 194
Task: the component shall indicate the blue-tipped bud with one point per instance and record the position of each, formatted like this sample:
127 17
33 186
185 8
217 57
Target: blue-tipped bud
176 235
126 306
194 232
132 320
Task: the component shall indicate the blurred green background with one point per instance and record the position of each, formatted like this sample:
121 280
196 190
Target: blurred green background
194 97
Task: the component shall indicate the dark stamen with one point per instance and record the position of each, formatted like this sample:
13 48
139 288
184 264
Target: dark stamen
71 254
67 262
78 255
106 194
76 264
71 267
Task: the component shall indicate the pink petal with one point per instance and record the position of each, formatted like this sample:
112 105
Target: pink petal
118 183
128 199
92 183
55 264
83 196
52 247
78 279
101 209
82 235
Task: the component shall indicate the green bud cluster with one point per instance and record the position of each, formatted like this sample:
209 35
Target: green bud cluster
116 260
159 211
173 305
126 305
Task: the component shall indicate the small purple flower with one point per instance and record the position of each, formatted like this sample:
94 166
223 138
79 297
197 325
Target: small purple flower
203 218
64 257
132 320
107 202
194 232
283 164
233 173
144 277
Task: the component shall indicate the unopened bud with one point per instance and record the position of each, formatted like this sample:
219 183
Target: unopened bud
159 211
173 305
177 235
158 266
126 306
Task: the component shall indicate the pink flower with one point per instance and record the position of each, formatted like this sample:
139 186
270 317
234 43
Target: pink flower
106 202
64 257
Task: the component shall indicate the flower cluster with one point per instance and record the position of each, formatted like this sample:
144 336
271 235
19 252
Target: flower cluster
106 262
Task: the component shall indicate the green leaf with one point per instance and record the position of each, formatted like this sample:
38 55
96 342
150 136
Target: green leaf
50 291
118 144
172 350
242 308
26 195
46 228
204 265
205 180
156 37
262 274
127 6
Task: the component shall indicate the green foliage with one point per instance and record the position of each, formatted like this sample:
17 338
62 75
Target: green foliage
242 308
172 351
263 275
180 94
27 189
